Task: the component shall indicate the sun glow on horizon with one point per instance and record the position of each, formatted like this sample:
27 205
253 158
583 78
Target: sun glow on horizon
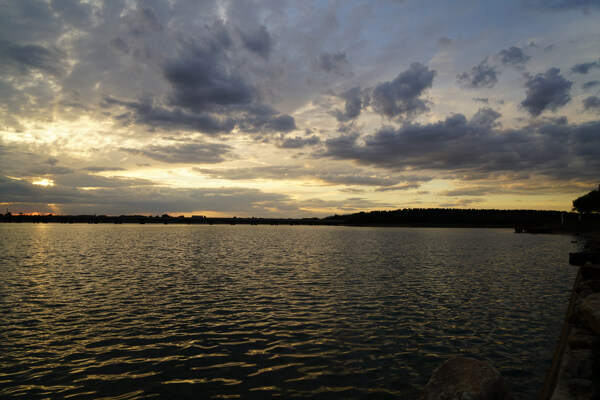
43 182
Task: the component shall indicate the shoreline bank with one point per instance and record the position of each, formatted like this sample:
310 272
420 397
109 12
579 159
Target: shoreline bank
575 369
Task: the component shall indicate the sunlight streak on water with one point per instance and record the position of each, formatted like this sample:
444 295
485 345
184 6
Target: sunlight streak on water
260 311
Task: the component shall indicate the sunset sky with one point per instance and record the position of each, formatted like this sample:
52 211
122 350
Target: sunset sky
297 108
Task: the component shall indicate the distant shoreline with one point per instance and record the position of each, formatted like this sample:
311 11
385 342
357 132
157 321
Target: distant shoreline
534 222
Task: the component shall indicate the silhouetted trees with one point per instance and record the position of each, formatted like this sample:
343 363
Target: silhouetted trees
588 203
454 217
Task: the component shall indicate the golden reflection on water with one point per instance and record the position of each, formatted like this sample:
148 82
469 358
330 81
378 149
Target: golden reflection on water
172 311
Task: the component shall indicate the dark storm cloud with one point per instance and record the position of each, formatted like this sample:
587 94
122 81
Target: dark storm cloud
592 103
482 75
584 68
34 57
514 56
258 41
298 142
201 79
551 147
145 112
590 84
210 89
335 63
354 102
192 153
547 91
402 96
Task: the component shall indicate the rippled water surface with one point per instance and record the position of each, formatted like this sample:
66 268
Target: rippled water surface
142 311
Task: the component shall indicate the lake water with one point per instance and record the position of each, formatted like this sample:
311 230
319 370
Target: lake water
143 311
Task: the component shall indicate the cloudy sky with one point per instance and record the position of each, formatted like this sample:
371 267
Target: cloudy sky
297 108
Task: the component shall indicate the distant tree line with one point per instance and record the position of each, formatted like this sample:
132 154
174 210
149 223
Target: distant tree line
588 203
456 217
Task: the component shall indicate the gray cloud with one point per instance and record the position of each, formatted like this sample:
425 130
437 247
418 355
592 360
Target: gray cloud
281 123
76 180
514 56
94 168
298 142
28 21
354 102
482 75
145 112
210 88
142 20
34 57
459 203
201 79
262 118
547 91
444 41
553 147
403 186
557 5
335 63
73 11
590 84
485 118
188 153
49 170
258 41
584 68
592 103
402 96
332 177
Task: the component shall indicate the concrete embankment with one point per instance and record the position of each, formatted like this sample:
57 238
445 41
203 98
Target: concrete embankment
575 370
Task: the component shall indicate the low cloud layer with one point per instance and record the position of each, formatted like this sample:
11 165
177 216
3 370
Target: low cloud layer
554 148
184 153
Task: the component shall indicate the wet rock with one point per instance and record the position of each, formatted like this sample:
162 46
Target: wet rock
581 338
464 378
590 271
580 364
590 309
593 285
581 388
